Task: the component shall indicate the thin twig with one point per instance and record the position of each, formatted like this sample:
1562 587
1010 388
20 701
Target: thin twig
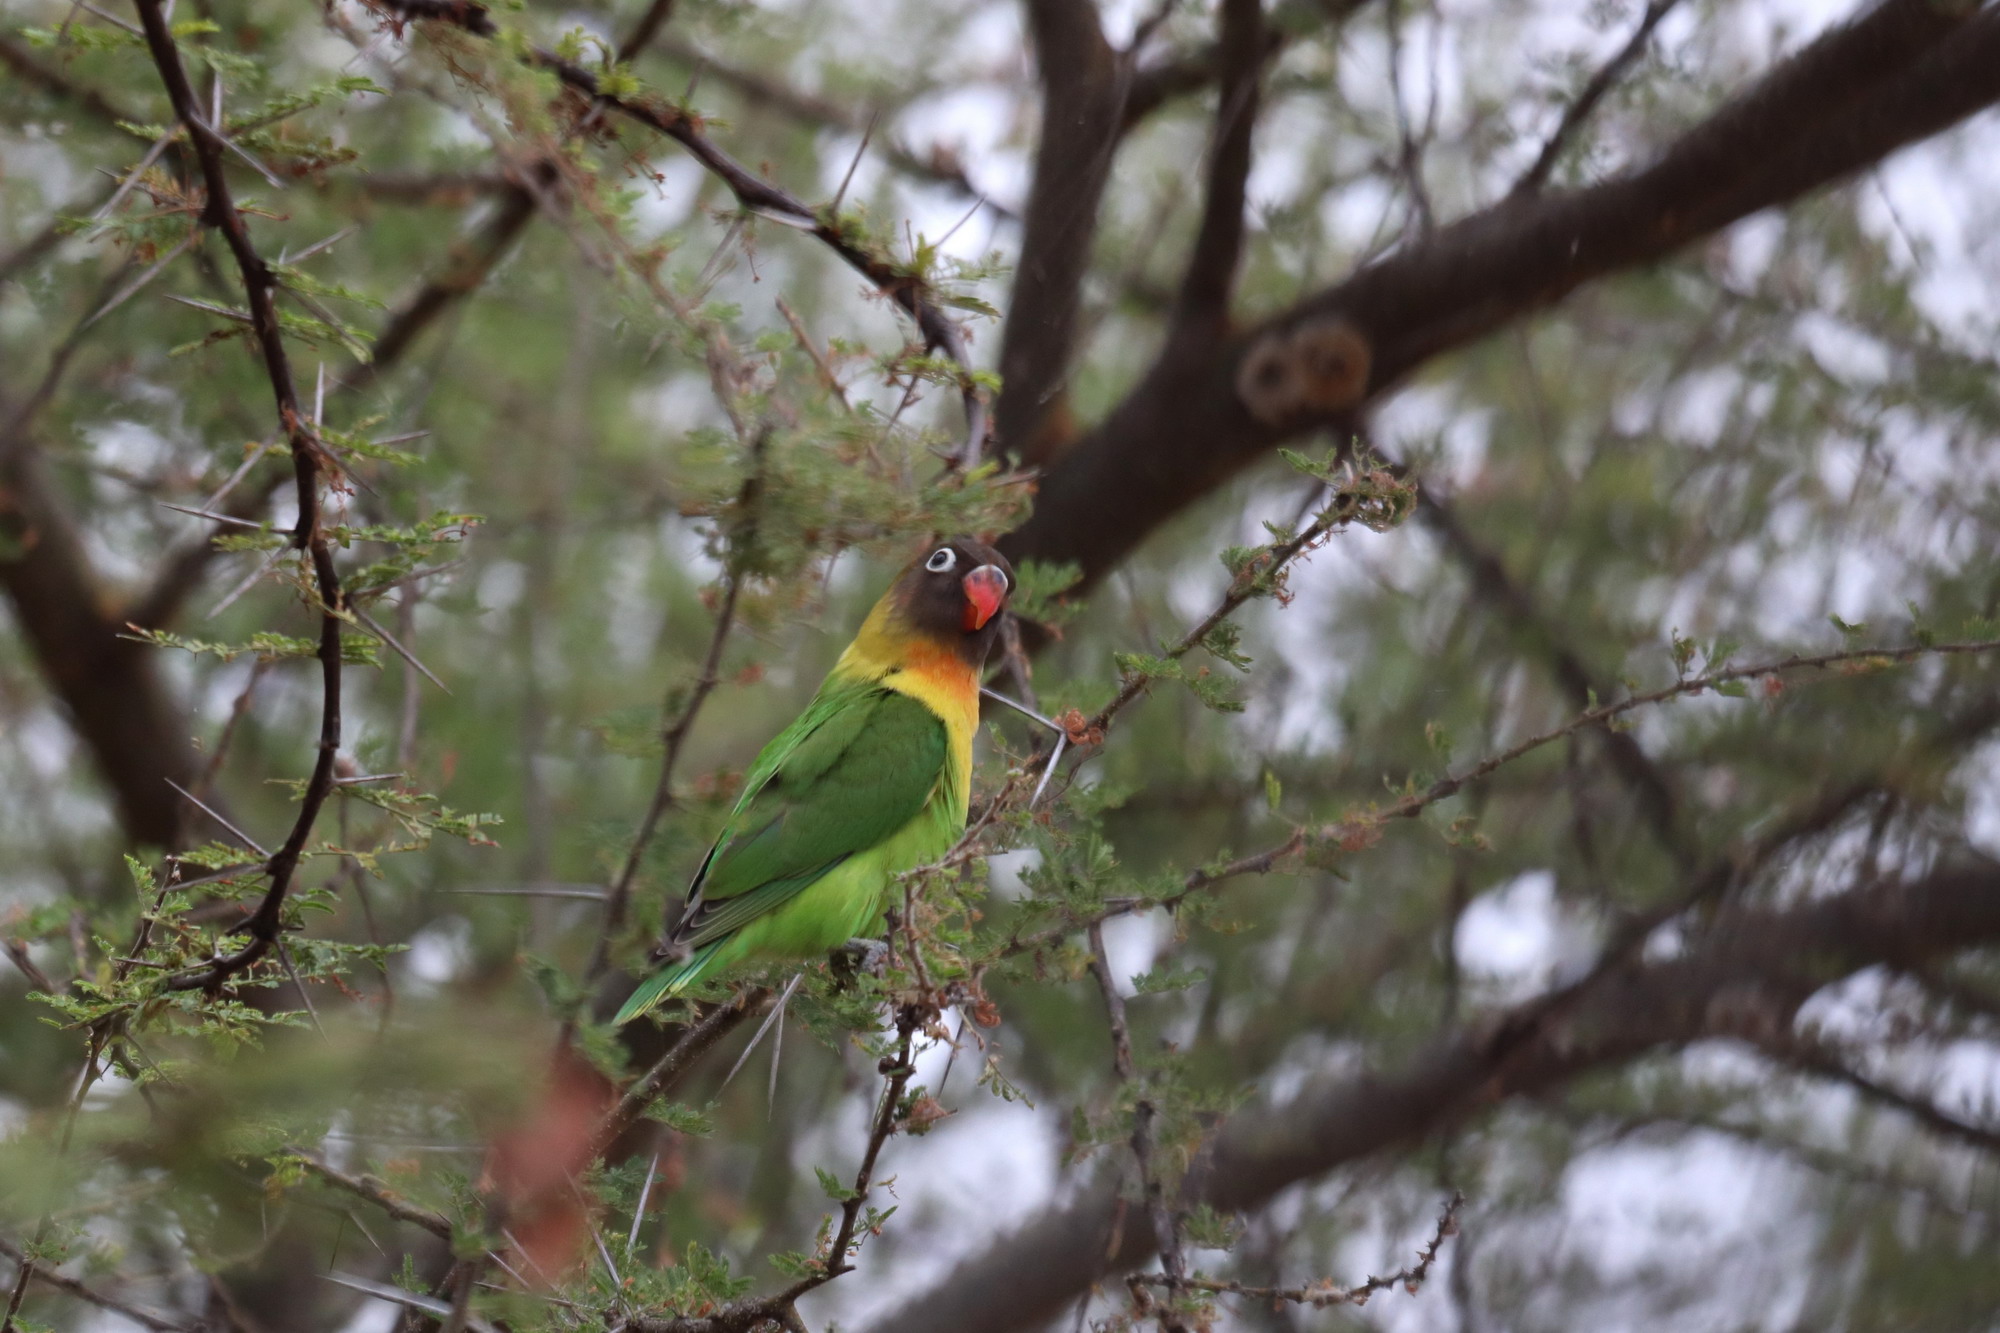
827 378
897 1070
1255 579
1166 1225
1822 1057
1320 1295
939 164
908 290
377 1193
260 286
1360 831
671 1068
1577 112
674 738
18 951
1410 150
70 1286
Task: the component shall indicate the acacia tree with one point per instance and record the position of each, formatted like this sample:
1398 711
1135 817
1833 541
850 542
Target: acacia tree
1568 794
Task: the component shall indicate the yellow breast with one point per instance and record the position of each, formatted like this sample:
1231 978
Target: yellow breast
931 673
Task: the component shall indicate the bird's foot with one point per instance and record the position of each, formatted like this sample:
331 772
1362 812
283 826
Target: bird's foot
860 955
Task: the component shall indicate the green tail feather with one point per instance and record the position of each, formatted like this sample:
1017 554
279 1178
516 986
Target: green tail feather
667 982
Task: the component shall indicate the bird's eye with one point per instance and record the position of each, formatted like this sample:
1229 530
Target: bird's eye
941 560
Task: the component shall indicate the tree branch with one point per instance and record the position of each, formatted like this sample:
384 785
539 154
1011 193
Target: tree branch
1765 963
1521 616
260 290
1152 1190
1320 1295
1202 311
377 1193
896 1071
906 288
1083 93
1903 71
671 1068
1362 830
1819 1057
115 700
70 1286
22 61
754 1312
939 166
1579 111
469 265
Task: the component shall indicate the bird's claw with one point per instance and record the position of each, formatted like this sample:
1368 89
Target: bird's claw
861 955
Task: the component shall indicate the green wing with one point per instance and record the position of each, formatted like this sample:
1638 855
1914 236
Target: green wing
856 767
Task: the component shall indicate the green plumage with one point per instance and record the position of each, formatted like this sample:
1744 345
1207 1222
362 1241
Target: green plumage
854 792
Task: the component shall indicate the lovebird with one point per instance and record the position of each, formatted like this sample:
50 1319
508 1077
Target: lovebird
872 780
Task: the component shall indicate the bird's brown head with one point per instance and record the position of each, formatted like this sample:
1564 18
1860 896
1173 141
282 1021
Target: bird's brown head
954 593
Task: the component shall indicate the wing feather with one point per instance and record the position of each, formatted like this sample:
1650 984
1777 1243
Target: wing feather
859 765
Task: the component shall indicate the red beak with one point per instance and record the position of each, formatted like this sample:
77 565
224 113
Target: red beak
985 589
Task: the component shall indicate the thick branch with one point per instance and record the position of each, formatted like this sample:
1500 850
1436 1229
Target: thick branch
1902 72
114 698
1203 309
1763 963
1083 93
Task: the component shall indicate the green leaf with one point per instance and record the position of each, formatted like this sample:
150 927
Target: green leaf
686 1119
1207 1229
830 1183
1683 651
1320 469
1162 980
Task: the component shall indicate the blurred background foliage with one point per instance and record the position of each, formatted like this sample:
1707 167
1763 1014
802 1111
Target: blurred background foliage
1777 440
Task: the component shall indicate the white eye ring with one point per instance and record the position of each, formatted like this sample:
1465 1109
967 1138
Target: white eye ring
941 560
